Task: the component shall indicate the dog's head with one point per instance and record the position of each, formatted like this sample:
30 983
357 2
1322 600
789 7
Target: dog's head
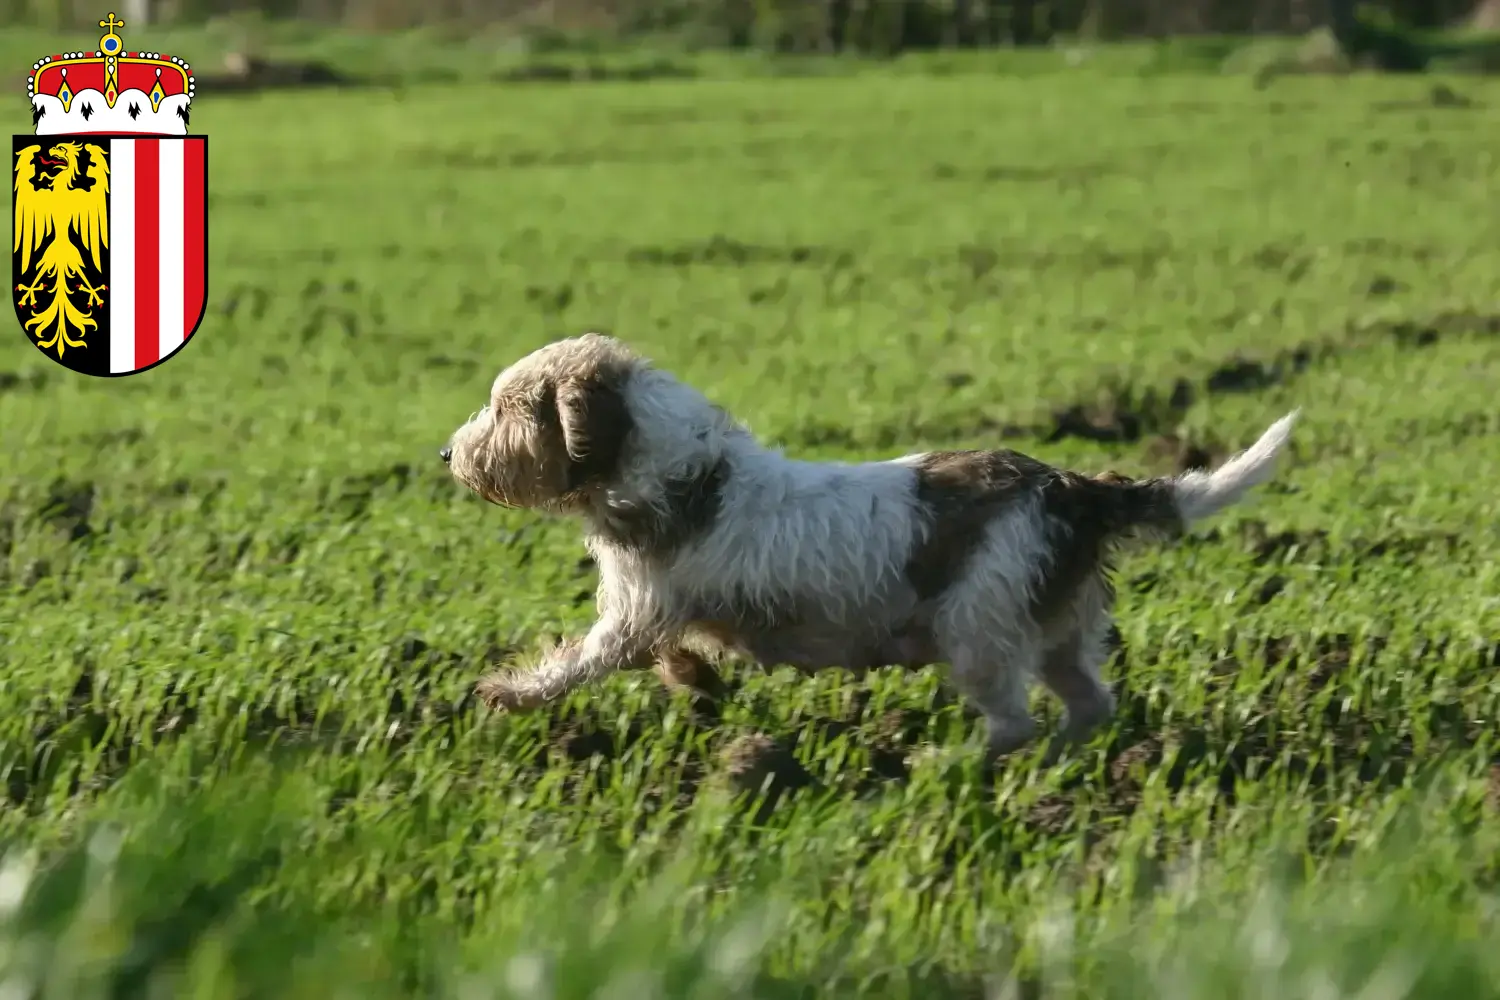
556 425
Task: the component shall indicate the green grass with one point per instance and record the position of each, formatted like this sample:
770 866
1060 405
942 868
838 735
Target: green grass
242 605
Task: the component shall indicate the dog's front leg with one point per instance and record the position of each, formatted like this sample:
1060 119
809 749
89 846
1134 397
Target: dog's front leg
608 647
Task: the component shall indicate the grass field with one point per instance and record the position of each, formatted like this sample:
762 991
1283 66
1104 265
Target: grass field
242 604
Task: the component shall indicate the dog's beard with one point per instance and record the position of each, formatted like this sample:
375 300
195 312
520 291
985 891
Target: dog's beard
509 464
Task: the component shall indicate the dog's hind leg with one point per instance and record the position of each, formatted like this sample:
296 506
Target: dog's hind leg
995 679
1071 669
686 670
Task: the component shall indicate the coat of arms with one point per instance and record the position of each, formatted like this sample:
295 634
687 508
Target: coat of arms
110 247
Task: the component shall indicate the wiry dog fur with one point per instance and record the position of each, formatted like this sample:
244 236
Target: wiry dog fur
992 562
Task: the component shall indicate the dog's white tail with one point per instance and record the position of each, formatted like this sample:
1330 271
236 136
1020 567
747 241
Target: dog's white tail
1200 494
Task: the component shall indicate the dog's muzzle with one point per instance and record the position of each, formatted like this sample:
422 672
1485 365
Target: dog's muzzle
446 453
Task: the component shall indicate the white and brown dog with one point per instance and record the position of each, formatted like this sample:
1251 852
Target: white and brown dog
707 541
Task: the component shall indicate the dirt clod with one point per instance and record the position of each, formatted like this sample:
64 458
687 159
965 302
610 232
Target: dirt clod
1122 413
1272 586
756 764
1130 766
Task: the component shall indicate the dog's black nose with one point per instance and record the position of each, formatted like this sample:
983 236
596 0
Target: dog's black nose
445 453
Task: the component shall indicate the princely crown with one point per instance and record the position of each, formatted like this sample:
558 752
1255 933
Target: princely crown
110 90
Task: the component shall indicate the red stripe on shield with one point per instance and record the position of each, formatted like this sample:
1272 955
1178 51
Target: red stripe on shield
147 250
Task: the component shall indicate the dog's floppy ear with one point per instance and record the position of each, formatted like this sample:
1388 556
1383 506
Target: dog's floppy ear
595 423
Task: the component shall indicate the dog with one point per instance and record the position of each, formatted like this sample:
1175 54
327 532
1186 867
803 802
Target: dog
709 543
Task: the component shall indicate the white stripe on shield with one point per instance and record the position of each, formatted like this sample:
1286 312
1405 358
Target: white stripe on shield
172 188
122 256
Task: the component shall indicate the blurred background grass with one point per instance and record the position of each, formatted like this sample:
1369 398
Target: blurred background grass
236 42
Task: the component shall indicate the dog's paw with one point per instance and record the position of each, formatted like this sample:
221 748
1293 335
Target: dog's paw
510 690
522 686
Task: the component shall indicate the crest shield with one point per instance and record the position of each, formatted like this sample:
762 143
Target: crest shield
109 256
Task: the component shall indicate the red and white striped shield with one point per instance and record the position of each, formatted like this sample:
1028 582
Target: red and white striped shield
111 247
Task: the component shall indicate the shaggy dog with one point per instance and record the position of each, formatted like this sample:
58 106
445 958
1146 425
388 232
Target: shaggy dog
708 542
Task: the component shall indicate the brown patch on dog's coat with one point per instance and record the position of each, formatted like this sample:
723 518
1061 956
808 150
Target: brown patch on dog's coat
960 493
1084 516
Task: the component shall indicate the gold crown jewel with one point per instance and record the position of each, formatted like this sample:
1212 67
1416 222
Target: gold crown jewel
111 45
